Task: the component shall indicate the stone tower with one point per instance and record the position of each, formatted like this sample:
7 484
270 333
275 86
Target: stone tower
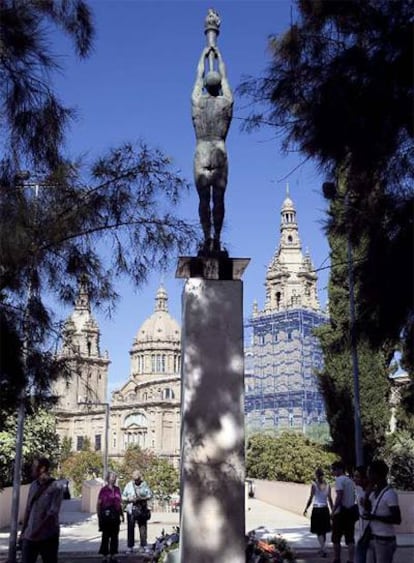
283 353
89 377
290 278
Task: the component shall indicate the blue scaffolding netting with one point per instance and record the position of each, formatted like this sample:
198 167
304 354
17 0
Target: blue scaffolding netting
282 355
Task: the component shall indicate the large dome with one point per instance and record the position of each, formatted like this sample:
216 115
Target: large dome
160 326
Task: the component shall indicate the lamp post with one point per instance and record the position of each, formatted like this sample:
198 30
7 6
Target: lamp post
330 192
22 177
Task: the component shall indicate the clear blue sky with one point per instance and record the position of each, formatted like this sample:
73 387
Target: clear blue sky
137 85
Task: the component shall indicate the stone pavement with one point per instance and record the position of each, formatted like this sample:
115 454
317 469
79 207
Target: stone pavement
80 537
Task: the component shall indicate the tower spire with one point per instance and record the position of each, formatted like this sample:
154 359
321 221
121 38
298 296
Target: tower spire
82 301
161 299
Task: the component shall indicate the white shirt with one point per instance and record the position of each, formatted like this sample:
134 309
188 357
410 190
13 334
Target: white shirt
346 485
388 499
320 494
360 495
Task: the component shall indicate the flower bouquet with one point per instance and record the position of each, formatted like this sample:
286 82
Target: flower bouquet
272 549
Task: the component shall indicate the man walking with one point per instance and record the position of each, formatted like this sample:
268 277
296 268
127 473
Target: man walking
40 532
343 520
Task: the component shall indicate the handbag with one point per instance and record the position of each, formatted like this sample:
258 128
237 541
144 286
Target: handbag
109 515
366 537
141 513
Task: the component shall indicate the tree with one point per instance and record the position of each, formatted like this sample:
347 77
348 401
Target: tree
161 476
340 87
33 120
335 379
99 219
65 448
40 439
81 466
287 457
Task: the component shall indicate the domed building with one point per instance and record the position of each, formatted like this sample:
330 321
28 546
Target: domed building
146 410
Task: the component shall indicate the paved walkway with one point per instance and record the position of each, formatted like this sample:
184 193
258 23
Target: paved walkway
80 537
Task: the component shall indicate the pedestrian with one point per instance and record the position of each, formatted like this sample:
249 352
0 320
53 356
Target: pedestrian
40 530
344 512
137 493
362 491
110 514
382 513
320 493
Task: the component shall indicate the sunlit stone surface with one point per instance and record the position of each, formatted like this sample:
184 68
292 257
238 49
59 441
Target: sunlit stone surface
212 432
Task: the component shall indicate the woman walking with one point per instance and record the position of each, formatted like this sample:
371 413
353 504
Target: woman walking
320 493
109 510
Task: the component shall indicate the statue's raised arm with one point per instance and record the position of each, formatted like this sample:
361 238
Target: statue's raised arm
225 86
199 82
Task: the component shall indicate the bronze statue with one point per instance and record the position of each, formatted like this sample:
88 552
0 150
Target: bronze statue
212 110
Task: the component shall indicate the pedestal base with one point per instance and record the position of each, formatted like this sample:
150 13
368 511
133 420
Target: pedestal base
212 432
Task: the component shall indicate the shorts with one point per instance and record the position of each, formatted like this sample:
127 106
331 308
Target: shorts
343 524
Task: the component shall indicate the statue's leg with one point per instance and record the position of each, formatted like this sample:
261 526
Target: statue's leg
204 210
218 212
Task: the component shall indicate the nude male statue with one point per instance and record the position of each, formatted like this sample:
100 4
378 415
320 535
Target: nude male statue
212 111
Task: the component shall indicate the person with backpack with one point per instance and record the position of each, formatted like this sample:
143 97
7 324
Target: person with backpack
110 514
40 531
137 493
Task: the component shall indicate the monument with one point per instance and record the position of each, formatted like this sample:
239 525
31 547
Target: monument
212 110
212 398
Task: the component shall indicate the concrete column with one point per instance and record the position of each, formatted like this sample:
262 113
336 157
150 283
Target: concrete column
212 431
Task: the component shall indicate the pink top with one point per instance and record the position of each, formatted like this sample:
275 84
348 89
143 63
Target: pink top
110 497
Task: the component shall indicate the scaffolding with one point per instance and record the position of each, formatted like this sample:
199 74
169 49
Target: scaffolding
281 357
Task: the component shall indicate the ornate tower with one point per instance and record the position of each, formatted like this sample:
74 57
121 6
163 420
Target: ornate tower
89 368
290 278
283 353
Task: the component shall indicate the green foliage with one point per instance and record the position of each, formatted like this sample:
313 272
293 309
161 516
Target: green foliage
319 433
160 475
81 466
162 478
40 439
65 448
398 453
30 106
287 457
336 378
339 86
405 409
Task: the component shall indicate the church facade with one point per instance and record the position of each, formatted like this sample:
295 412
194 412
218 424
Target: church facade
282 353
146 410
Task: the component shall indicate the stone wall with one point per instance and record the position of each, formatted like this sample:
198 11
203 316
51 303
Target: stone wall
5 504
293 497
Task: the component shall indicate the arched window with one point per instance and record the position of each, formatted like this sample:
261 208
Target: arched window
136 419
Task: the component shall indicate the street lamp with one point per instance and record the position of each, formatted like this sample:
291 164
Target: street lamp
106 434
23 178
330 192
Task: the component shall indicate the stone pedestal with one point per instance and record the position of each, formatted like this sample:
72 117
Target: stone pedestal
212 432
